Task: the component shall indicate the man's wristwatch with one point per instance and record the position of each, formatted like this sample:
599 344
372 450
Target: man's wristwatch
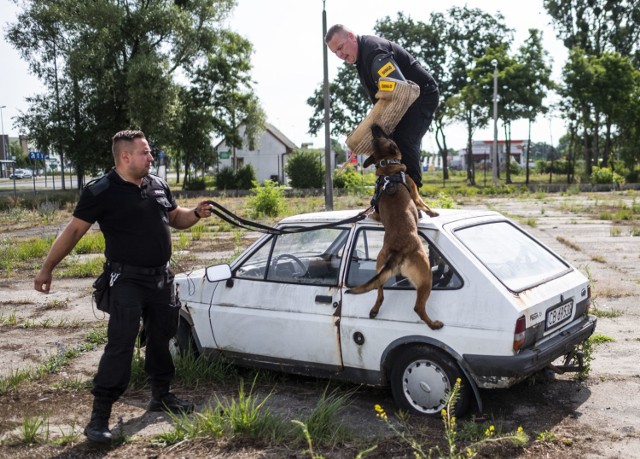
195 212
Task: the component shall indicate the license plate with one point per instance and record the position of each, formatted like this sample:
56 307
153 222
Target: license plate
559 314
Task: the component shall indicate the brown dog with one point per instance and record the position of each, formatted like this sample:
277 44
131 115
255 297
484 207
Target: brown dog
411 185
402 250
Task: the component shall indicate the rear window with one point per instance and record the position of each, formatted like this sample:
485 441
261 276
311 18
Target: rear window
517 260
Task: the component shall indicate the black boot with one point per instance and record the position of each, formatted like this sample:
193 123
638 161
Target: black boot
169 403
98 428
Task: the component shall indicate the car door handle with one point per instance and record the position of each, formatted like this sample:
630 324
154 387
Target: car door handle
324 299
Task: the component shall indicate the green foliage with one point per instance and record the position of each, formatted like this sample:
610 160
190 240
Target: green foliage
245 177
323 424
90 243
604 175
242 179
305 170
226 179
268 200
194 184
172 69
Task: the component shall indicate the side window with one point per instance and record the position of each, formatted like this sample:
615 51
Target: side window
311 257
362 265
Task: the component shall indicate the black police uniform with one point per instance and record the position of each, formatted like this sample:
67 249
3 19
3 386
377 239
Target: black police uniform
378 57
135 224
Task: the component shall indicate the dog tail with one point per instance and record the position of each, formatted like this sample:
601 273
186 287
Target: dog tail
388 269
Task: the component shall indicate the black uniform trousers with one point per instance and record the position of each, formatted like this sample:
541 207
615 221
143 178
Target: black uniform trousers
135 296
412 128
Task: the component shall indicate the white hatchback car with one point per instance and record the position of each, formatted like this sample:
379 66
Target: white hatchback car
510 307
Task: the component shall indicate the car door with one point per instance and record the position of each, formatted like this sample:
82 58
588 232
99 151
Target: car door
280 304
365 340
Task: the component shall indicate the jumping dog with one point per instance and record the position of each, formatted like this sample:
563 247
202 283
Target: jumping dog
402 250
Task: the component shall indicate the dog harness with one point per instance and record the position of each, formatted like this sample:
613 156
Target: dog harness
387 183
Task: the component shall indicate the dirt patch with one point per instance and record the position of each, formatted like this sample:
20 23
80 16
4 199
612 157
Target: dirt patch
595 418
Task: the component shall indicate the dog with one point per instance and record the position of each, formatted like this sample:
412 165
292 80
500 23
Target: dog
411 185
402 250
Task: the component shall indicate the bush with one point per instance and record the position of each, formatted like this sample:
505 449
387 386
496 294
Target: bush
242 179
604 175
555 167
632 176
245 177
225 179
268 199
194 184
305 170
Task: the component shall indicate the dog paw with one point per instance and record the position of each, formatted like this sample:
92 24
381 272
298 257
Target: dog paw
348 291
435 325
372 315
432 214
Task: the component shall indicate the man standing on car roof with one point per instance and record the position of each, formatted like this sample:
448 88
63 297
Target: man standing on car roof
134 210
376 57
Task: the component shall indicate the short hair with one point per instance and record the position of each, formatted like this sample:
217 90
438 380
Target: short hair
127 135
336 29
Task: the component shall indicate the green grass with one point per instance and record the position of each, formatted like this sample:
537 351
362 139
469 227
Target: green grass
72 267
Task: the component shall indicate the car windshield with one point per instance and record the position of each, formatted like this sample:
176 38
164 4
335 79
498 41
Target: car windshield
517 260
311 257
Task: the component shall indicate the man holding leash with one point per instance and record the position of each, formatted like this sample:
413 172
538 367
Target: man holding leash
134 210
375 58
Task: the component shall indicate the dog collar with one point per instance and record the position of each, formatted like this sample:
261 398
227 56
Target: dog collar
386 162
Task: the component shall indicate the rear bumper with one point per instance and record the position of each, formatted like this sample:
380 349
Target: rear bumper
504 371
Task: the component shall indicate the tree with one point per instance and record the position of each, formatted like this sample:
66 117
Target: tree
597 26
111 65
305 169
467 35
537 78
592 29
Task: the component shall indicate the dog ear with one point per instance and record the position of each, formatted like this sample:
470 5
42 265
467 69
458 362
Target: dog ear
369 161
377 132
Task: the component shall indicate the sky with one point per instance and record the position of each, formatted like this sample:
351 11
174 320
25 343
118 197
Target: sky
287 36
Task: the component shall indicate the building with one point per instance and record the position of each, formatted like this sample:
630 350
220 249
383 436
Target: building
481 151
269 158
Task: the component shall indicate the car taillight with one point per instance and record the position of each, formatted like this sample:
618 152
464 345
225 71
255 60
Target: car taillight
519 334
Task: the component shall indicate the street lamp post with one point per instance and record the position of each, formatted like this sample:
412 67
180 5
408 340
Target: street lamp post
494 159
328 181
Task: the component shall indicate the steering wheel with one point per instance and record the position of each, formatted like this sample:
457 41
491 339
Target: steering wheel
296 260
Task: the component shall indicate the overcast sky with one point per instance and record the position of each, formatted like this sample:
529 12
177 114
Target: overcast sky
288 57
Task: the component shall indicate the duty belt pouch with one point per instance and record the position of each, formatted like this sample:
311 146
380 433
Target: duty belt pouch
101 290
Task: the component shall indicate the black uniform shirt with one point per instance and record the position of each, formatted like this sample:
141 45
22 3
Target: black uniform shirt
134 221
370 46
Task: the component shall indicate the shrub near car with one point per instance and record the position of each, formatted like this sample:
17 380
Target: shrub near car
510 306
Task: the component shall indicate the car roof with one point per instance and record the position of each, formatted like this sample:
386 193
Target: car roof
445 216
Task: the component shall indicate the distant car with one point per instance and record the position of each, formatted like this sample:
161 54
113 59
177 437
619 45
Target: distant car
21 174
510 308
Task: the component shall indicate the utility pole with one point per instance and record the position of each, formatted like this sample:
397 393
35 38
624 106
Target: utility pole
328 180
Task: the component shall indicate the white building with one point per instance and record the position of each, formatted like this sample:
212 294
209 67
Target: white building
272 152
481 151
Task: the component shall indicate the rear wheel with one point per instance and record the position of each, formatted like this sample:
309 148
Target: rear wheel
183 343
422 379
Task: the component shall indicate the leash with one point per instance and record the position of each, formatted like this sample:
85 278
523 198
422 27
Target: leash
230 217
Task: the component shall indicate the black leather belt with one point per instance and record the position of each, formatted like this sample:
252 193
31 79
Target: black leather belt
148 271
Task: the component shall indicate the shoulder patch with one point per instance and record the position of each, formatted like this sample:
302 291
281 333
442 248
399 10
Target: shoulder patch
97 186
386 70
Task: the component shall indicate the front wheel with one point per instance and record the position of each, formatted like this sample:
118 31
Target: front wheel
422 379
183 343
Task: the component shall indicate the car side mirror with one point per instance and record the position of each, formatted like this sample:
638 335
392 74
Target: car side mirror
218 273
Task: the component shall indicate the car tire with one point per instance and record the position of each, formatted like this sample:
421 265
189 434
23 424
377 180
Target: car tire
422 379
184 343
